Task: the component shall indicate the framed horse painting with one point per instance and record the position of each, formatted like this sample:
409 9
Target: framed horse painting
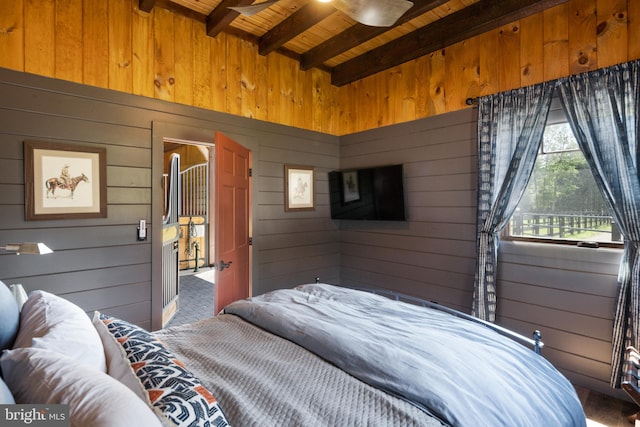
64 181
299 188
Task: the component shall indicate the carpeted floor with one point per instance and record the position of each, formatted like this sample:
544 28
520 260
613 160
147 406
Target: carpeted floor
196 297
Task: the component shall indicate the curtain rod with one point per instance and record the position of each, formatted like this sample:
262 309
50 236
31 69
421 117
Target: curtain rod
471 101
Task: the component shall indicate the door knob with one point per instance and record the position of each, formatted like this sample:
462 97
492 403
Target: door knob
224 265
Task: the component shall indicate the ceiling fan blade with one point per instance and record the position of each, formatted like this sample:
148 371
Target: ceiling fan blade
375 13
253 8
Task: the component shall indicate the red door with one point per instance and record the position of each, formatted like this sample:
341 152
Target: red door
232 165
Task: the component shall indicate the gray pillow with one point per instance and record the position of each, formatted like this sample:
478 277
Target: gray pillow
6 398
9 317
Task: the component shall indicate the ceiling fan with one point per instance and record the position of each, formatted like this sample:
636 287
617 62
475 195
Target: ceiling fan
375 13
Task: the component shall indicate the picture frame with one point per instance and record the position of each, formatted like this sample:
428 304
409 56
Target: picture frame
64 181
299 186
350 187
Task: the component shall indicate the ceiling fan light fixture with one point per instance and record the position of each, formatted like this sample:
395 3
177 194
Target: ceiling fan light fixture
325 1
375 13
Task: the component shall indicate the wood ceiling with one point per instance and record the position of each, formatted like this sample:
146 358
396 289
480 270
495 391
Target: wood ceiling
317 35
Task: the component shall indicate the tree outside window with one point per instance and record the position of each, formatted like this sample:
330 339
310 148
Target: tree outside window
562 202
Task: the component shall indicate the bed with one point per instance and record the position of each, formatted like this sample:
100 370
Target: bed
314 355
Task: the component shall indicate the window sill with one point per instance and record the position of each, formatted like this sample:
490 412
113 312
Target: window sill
565 242
528 249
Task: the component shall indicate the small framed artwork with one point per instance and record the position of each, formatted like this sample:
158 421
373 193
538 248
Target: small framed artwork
299 188
64 181
350 188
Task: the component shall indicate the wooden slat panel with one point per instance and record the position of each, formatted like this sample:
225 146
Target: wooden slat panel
137 313
261 79
142 52
78 281
308 251
424 236
557 278
634 29
202 90
489 76
462 78
164 60
442 294
218 72
11 171
128 196
39 37
247 80
559 319
120 55
68 39
46 127
81 107
95 43
583 51
436 83
588 304
323 103
451 182
13 216
12 29
508 68
102 297
612 31
532 50
183 60
75 237
126 176
234 71
556 42
76 260
314 264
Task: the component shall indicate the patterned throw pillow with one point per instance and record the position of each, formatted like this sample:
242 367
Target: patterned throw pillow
170 386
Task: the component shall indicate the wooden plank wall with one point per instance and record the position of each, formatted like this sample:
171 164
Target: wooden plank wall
565 291
432 255
578 36
98 263
295 247
162 55
568 293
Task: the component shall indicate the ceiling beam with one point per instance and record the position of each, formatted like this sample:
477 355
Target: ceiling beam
469 22
220 17
306 17
146 5
360 33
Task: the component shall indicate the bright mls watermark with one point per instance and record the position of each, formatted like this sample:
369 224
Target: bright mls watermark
34 415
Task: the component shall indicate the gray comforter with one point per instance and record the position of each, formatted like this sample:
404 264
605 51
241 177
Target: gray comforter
461 372
262 380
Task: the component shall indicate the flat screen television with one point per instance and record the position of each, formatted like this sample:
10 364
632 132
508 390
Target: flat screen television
375 193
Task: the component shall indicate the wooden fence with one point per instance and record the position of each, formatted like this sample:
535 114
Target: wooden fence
562 226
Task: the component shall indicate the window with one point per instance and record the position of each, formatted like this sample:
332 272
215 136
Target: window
562 203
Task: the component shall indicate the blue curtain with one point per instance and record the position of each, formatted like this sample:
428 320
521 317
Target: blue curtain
510 129
603 110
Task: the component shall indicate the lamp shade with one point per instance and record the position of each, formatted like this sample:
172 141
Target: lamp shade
27 248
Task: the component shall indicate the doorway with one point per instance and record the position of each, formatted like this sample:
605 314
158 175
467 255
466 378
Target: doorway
188 279
197 227
192 182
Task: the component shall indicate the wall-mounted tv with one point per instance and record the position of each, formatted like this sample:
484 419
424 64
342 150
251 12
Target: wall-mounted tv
375 193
